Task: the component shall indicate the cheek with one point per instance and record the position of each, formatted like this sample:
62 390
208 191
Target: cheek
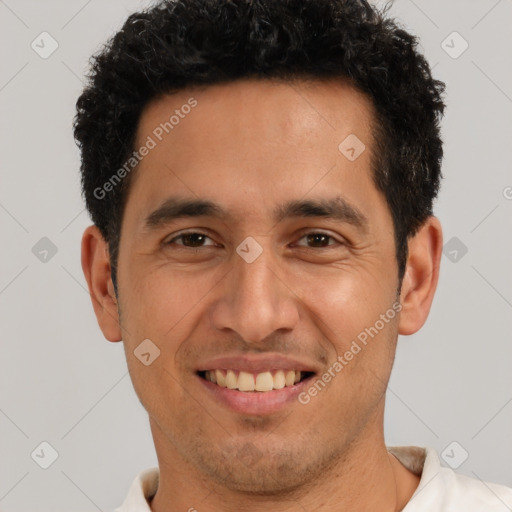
159 308
160 392
346 299
354 311
161 302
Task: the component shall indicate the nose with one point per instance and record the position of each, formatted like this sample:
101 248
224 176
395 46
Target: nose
255 302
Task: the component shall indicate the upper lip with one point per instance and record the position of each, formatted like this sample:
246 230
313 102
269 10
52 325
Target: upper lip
257 364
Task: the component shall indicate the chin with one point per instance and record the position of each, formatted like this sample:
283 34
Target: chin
248 469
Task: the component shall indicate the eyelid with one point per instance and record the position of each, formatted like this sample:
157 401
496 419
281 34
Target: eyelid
204 232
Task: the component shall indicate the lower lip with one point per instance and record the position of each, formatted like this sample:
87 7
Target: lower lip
255 402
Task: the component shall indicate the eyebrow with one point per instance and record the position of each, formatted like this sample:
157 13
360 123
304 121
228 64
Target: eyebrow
336 208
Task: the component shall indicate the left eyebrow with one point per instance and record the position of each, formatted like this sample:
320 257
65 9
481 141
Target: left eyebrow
337 208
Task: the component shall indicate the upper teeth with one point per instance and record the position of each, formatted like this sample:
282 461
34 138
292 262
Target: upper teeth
244 381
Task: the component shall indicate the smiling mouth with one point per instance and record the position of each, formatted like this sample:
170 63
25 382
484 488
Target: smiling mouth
255 382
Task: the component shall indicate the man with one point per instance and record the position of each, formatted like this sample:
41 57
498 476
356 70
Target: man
261 176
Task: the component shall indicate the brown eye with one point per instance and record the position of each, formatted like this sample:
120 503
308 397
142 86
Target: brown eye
191 239
318 239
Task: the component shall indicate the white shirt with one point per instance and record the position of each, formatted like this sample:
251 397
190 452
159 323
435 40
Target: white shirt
440 488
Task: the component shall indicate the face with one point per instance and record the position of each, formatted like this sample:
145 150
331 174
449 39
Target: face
285 270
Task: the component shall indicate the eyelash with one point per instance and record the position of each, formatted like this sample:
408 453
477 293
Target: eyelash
181 235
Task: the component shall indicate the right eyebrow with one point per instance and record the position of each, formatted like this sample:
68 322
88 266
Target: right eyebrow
175 207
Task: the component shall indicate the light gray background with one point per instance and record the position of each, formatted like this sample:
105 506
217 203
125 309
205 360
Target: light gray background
62 383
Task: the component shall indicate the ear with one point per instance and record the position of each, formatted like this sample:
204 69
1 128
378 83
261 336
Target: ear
97 271
421 276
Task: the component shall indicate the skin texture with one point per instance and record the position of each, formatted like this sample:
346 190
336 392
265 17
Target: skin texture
250 145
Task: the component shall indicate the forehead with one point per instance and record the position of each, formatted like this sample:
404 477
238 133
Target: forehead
254 138
265 107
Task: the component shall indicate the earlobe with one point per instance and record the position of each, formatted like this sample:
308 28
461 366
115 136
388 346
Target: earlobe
421 276
97 271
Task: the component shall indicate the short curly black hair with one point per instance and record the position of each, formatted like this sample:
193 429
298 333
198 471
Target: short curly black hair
177 44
